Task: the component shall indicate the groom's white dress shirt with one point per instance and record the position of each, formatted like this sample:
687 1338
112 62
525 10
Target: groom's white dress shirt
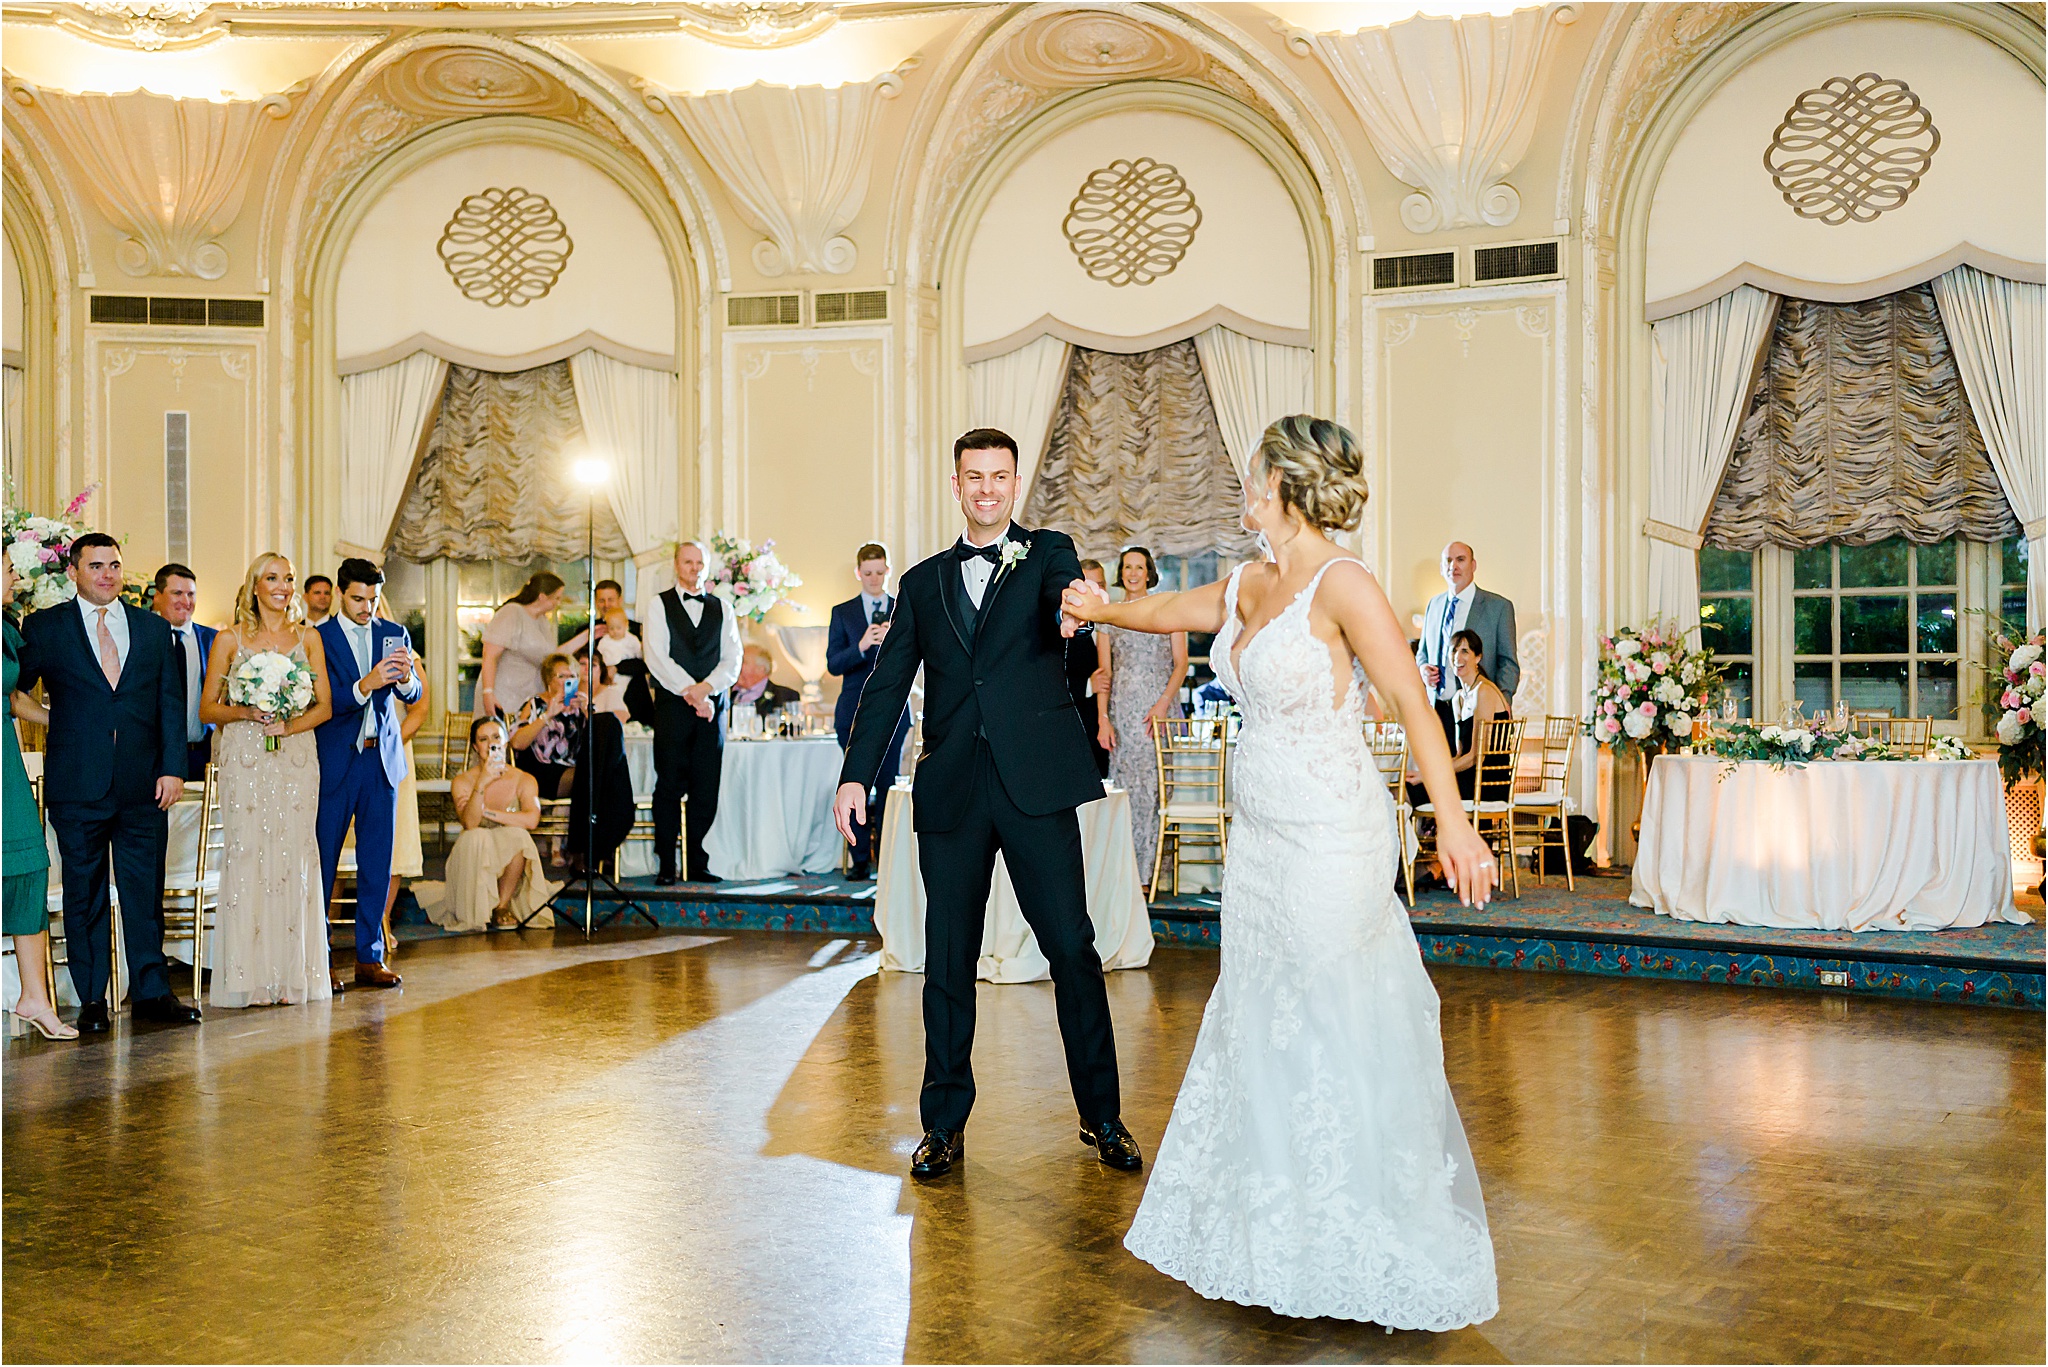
976 573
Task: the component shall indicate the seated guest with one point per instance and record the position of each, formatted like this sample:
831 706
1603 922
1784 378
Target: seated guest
1085 676
754 686
318 591
173 596
494 874
605 761
1465 606
546 731
1476 699
618 644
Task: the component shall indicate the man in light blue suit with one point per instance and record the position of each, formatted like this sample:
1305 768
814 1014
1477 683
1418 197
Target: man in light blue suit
362 752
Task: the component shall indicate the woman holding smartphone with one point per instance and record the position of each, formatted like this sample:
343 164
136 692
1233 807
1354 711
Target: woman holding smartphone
494 871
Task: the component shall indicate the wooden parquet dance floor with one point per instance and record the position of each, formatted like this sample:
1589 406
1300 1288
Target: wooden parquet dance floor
689 1148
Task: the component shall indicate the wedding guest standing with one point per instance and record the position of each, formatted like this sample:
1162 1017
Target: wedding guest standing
520 636
1144 678
692 643
270 945
362 752
114 763
494 872
318 591
1464 605
619 646
25 888
174 596
1085 676
852 644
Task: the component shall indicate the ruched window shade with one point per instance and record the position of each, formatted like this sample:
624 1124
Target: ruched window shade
1858 430
1136 456
493 482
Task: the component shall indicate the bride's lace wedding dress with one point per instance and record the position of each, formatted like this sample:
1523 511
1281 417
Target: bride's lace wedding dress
1314 1163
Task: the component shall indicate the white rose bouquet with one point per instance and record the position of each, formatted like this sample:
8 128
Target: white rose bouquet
752 578
274 684
1654 692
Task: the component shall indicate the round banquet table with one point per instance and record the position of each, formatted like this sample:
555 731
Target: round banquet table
1009 951
1834 845
775 809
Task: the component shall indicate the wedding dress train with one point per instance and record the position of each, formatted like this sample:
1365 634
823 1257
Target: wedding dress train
1314 1163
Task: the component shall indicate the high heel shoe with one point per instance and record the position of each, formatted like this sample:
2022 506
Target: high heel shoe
49 1025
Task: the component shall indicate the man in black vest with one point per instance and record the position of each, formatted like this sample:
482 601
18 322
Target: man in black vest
1005 763
692 647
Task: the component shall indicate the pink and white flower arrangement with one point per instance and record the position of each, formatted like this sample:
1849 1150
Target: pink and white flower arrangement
751 578
38 548
1655 690
2014 684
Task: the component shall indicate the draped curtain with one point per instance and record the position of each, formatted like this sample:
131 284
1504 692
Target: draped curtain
1702 364
1251 383
384 418
493 484
1136 456
10 402
1859 431
1994 328
1017 393
629 417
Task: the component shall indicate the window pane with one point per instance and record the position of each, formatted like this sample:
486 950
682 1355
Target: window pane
1937 563
1724 624
1814 685
1875 625
1873 684
465 688
1937 625
1740 686
2015 558
2013 606
477 584
1722 571
1813 626
1879 566
1938 690
1813 568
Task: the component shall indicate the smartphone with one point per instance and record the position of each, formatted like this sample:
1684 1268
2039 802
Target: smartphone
497 752
569 690
398 649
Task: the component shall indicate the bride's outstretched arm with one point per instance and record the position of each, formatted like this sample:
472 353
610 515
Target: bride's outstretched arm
1195 610
1355 600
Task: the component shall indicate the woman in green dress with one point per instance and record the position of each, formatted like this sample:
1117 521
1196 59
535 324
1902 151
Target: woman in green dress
26 884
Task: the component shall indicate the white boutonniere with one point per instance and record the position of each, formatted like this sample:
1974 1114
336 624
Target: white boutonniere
1014 551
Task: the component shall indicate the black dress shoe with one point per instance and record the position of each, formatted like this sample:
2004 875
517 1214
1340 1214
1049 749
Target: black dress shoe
1113 1144
938 1152
92 1019
705 876
858 874
666 878
168 1010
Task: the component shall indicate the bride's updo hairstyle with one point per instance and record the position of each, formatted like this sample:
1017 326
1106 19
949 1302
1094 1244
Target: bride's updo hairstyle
1321 468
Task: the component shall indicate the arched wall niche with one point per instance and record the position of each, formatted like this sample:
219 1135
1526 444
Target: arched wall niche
36 240
350 145
423 150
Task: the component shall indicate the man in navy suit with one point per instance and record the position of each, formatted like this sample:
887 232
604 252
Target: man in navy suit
174 595
362 752
859 626
115 763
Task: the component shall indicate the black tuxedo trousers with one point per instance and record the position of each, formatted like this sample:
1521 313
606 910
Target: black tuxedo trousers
1043 855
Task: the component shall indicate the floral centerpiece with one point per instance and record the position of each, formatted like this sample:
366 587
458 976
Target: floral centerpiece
1779 746
2012 700
273 683
1654 690
39 547
752 578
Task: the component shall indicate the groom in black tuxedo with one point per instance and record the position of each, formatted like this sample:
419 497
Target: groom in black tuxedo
1004 765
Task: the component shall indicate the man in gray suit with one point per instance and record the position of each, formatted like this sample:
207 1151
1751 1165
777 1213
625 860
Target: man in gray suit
1465 607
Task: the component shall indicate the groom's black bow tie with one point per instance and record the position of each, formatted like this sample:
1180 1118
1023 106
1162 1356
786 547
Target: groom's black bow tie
993 552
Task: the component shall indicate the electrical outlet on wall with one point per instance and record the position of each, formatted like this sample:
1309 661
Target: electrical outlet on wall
1834 977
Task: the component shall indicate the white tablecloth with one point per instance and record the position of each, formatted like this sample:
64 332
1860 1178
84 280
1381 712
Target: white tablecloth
1009 951
1839 845
775 809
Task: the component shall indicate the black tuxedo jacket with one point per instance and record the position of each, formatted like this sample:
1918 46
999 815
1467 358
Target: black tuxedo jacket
1003 679
106 742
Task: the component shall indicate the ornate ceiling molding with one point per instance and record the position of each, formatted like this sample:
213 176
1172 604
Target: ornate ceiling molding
461 82
1081 48
1450 105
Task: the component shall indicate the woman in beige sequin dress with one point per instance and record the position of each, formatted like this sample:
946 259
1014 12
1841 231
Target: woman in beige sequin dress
270 944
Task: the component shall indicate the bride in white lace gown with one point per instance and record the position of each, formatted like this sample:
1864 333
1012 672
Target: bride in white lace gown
1315 1163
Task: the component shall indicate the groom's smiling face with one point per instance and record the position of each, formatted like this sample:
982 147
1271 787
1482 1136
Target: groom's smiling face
986 484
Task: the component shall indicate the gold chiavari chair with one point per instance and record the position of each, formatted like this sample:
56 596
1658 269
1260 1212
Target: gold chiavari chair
192 899
1867 721
440 756
1500 756
1193 805
1387 742
1550 804
1909 735
551 838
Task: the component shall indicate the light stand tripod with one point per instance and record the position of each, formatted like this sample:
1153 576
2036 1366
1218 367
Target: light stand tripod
590 473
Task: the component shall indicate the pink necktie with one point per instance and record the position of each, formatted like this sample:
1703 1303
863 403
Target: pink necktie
110 658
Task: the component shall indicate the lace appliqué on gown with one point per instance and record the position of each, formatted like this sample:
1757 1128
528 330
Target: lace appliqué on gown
270 941
1315 1163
